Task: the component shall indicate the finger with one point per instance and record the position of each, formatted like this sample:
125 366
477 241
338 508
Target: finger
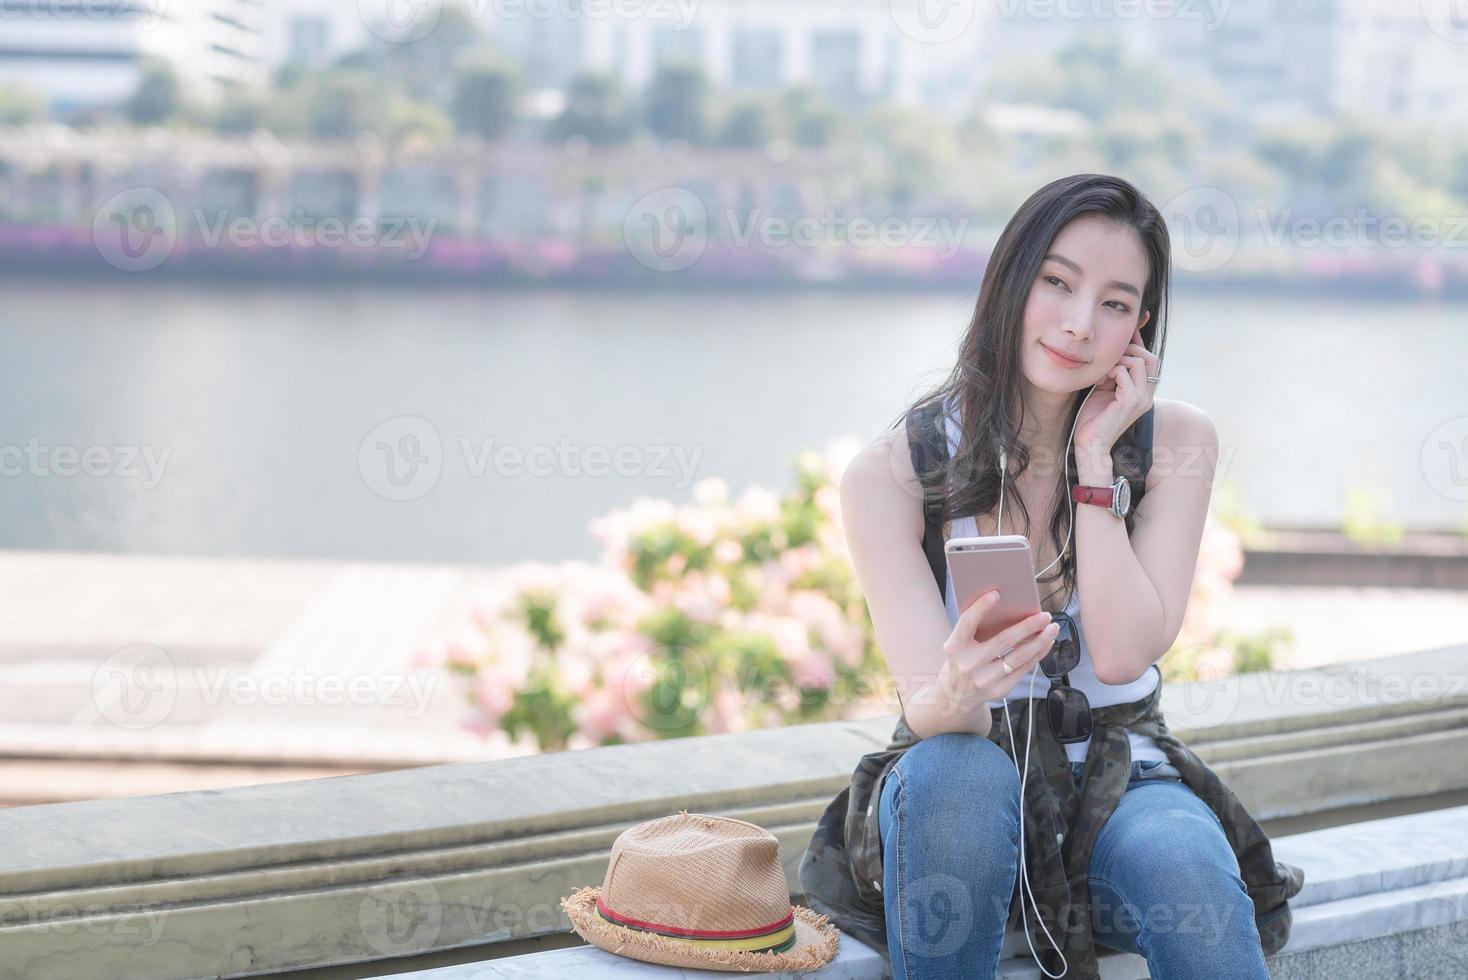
1018 633
1136 367
1129 384
1020 658
973 614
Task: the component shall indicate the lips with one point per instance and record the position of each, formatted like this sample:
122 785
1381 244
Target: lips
1062 354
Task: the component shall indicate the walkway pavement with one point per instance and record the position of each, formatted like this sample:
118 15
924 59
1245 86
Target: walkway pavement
214 672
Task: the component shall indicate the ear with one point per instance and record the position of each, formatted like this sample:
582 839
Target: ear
1146 315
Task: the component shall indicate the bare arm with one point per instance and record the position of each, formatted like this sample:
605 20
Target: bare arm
1135 590
945 678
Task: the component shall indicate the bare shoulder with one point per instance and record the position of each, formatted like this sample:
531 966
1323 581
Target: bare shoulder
1181 433
879 485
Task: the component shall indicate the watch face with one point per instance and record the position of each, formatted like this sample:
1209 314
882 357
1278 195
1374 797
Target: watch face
1124 496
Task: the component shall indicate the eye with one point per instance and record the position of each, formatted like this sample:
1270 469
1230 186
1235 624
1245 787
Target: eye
1054 280
1120 306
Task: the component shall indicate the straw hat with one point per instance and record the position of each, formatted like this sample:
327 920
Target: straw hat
701 891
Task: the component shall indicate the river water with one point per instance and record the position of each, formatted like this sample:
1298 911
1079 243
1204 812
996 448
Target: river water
461 425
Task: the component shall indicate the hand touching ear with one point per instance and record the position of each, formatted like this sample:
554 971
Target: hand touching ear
1119 399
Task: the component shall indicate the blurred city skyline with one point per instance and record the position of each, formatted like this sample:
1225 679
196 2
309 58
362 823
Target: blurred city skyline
1275 59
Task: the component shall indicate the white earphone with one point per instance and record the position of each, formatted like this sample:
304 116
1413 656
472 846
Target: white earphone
1023 768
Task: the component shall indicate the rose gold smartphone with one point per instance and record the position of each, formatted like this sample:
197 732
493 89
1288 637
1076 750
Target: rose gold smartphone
1000 561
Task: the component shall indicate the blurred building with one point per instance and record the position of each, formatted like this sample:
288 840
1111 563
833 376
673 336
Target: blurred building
851 51
314 32
1391 62
1273 57
85 53
1280 59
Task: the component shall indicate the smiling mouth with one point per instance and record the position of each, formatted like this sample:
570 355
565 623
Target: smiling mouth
1065 357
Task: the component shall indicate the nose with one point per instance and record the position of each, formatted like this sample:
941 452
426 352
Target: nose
1078 322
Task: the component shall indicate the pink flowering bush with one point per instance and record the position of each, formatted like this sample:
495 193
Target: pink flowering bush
1204 650
716 616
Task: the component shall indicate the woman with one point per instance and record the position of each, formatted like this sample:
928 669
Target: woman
1056 366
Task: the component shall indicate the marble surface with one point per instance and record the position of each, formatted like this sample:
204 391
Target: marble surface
1377 855
347 870
1368 883
854 961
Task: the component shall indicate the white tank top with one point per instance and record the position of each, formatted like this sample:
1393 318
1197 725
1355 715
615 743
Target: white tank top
1035 684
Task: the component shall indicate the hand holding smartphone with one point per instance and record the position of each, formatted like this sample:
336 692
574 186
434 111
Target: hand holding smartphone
999 615
1003 562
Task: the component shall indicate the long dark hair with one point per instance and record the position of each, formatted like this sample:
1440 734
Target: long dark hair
985 380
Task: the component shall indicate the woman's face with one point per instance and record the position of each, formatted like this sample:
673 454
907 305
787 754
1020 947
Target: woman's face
1086 303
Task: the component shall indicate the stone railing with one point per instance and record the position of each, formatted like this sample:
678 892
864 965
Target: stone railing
374 867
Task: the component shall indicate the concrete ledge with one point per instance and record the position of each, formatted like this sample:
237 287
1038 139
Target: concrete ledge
359 868
1374 886
854 961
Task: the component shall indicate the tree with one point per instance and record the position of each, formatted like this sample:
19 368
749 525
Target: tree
238 112
343 103
158 96
749 123
595 110
486 93
811 120
677 103
20 105
424 67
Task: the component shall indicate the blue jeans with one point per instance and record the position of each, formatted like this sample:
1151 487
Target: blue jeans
1164 880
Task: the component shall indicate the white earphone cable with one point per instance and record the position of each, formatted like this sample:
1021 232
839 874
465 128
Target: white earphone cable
1024 768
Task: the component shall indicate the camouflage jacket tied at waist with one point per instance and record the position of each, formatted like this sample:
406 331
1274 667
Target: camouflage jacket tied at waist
841 868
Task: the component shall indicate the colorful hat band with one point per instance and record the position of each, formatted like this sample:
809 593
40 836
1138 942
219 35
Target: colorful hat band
774 938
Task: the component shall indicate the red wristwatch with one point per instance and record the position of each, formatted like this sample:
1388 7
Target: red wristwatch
1116 498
